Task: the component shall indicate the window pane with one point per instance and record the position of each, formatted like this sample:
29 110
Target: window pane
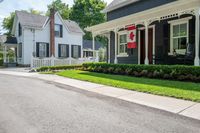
123 38
126 49
182 43
63 51
57 27
121 49
183 30
75 52
42 50
175 30
57 30
175 42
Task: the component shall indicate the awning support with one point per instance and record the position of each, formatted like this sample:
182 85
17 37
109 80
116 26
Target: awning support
196 61
146 43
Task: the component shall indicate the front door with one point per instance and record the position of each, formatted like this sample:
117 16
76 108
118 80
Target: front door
142 46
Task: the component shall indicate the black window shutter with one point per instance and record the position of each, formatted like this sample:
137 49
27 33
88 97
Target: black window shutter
67 50
72 51
59 50
47 49
61 31
19 30
37 49
79 51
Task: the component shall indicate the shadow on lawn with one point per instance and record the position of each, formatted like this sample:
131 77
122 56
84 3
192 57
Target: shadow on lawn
145 81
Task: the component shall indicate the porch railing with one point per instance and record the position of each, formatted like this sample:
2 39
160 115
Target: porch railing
40 62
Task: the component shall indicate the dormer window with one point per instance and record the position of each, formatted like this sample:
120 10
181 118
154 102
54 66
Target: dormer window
58 30
19 29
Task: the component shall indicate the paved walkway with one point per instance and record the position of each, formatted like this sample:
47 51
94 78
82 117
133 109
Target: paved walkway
181 107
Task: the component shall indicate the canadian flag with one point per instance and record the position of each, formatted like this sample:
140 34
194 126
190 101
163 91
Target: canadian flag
131 38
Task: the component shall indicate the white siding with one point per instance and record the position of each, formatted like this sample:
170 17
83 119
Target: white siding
30 37
68 37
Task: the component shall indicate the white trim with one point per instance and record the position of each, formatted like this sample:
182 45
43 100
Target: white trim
109 49
146 61
139 43
116 43
179 7
154 45
196 60
178 22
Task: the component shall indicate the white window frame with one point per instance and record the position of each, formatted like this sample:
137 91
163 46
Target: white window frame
172 24
125 54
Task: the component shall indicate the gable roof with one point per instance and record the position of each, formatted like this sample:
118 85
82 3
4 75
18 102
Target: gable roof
31 20
115 4
87 44
39 21
73 26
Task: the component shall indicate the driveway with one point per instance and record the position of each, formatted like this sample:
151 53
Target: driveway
29 105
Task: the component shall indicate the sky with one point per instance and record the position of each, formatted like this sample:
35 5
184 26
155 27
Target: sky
8 6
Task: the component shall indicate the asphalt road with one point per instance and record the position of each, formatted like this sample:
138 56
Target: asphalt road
35 106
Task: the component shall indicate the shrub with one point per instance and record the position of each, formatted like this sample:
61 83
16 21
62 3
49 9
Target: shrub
54 68
172 72
1 62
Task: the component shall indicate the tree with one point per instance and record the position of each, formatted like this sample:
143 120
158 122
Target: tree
8 21
88 13
62 8
33 11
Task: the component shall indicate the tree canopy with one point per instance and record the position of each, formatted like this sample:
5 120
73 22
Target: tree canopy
8 23
87 13
61 7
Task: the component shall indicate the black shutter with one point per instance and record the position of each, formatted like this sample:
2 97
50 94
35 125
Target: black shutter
47 49
37 49
59 50
67 50
166 38
72 51
79 51
61 31
19 30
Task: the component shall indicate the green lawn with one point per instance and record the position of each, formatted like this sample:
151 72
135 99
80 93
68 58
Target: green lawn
181 90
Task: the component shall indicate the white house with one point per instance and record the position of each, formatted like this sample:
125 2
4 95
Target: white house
41 38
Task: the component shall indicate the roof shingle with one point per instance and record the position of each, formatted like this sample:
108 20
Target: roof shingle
31 20
38 21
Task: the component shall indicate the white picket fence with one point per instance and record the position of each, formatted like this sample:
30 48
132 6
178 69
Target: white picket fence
37 62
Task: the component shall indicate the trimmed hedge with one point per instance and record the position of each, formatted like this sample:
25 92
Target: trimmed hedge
1 62
53 68
170 72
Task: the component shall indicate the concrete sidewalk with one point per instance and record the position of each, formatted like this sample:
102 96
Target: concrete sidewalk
181 107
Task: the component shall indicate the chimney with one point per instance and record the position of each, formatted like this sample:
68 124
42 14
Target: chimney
52 34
